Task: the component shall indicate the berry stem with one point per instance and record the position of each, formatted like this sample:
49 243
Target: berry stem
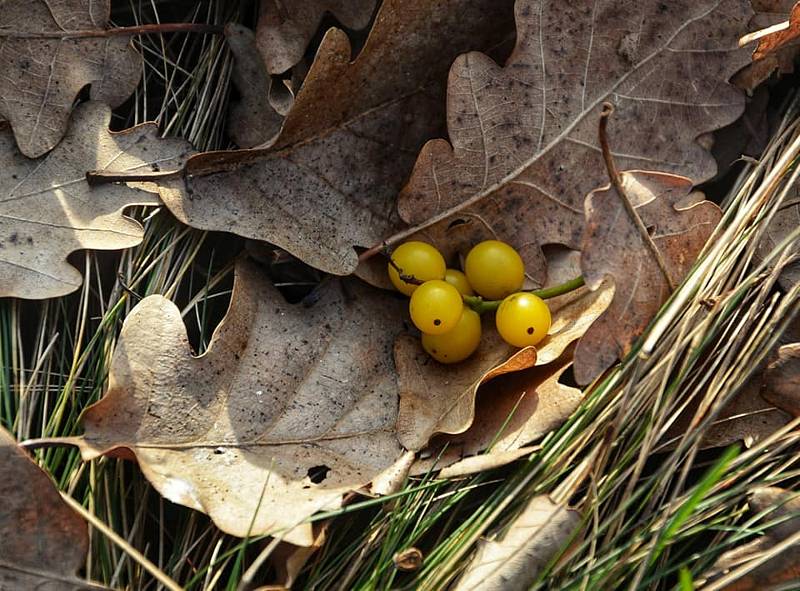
480 305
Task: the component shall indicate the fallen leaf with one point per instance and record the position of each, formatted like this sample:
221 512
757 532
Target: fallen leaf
285 28
511 412
768 14
780 227
782 380
748 418
49 56
438 398
474 464
782 568
329 182
408 560
678 223
513 561
43 543
252 120
523 149
48 210
290 407
776 36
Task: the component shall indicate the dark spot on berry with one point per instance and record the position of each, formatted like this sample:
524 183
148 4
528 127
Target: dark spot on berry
530 330
437 322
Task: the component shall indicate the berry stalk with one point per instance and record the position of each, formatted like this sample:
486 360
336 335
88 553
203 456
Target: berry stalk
480 305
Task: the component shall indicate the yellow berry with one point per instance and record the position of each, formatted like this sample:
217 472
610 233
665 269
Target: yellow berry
459 343
416 259
494 269
523 319
435 307
458 280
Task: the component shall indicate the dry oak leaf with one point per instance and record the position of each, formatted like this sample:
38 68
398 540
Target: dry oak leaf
778 505
43 543
436 398
775 37
284 28
783 223
252 120
50 51
290 407
678 223
512 562
48 210
511 411
782 380
524 150
768 13
329 181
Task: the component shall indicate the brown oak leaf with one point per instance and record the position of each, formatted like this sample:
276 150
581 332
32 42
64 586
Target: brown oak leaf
43 543
783 506
512 562
285 28
329 181
523 150
782 380
511 412
678 223
783 223
48 210
290 407
50 51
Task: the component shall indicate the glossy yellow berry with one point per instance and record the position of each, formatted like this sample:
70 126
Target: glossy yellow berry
458 280
459 343
416 259
494 269
523 319
435 307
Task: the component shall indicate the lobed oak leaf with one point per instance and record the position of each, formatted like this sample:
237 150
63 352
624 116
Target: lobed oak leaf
290 407
768 14
329 181
780 228
48 210
511 412
43 543
523 148
782 378
512 562
438 398
50 51
781 506
678 223
253 120
285 29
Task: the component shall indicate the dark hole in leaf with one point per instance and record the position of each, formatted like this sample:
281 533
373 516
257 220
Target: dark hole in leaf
456 222
318 473
651 230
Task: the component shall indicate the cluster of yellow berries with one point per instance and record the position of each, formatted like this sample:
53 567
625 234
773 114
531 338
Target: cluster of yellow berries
442 299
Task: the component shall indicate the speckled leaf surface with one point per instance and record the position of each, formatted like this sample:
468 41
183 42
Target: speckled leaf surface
523 150
43 543
329 181
285 29
781 226
678 223
288 409
48 57
48 210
